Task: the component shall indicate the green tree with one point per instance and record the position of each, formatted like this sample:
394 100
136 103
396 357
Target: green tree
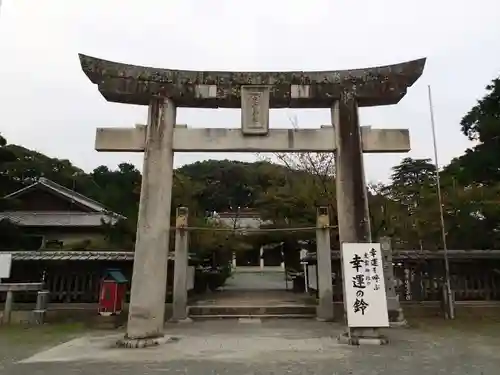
6 156
408 207
27 166
472 181
481 163
472 217
118 190
226 184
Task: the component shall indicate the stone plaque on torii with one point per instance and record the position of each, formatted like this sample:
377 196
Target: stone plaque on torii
163 90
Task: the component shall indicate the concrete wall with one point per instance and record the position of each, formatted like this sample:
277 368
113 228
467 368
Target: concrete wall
67 313
88 312
463 310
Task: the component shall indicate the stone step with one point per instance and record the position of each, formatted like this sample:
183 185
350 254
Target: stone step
257 311
256 317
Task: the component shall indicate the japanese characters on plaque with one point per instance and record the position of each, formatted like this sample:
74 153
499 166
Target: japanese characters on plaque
365 295
255 109
254 99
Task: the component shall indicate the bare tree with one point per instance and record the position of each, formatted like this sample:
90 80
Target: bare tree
320 165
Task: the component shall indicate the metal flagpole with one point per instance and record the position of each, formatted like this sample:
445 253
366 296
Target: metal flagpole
450 301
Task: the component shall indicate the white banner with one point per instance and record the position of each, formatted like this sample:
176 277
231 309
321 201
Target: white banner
5 265
365 296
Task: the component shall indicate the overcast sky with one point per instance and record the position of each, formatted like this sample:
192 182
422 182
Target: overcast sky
48 104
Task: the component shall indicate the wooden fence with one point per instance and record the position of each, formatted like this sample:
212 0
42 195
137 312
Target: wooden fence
70 278
419 276
475 275
472 280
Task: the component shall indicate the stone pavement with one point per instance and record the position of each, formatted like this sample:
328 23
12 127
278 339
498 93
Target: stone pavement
276 347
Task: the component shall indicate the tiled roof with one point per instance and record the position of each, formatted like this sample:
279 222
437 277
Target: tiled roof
400 255
62 191
452 254
57 218
72 255
56 255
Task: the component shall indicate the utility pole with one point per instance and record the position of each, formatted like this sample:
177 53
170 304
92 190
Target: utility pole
449 296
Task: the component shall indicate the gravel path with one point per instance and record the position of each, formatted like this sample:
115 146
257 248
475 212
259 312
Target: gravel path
269 347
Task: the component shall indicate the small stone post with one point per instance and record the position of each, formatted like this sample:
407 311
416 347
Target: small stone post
261 258
233 260
396 316
180 313
324 310
7 311
42 299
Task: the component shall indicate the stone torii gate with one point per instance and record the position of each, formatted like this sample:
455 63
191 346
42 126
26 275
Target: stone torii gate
163 90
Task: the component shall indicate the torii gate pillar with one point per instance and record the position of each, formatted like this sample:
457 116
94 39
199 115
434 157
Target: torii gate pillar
147 308
254 92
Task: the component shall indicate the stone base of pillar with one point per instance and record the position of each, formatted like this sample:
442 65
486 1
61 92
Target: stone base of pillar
140 343
38 316
397 318
396 315
363 336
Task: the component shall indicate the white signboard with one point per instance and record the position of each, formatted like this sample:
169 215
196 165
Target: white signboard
303 254
364 289
5 264
311 277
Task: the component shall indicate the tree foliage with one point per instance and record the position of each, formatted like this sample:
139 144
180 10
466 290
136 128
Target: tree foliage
481 163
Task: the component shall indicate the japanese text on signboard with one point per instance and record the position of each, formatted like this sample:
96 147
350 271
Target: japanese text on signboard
365 289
